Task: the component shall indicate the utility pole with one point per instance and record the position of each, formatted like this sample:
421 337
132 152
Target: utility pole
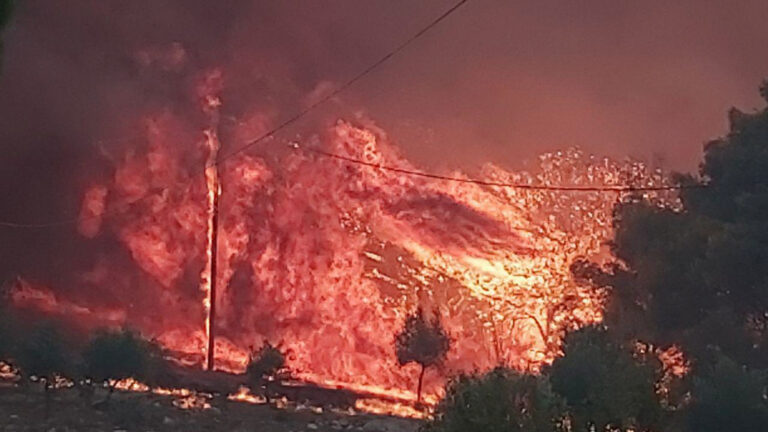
211 106
212 294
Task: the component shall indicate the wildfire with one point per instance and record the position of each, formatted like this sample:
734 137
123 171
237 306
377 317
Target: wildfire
327 259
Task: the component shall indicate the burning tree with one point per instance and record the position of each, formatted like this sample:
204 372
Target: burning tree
422 341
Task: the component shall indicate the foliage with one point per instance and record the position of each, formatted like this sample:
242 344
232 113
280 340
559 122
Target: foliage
499 401
423 341
728 398
43 353
7 334
604 384
116 355
695 277
268 361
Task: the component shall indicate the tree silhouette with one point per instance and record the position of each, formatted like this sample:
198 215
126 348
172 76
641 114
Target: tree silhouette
422 341
695 277
605 386
43 354
264 365
115 355
499 401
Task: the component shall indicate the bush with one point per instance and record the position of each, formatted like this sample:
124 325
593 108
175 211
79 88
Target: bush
499 401
266 362
605 385
44 354
115 356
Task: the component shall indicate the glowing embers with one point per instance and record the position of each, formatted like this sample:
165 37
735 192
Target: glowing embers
182 398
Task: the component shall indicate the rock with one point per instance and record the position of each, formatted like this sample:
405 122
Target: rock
168 421
312 426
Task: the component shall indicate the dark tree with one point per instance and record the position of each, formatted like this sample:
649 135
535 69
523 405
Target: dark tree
423 341
115 355
499 401
43 354
264 366
727 397
605 385
695 277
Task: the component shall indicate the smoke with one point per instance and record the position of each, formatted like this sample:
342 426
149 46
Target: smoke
100 101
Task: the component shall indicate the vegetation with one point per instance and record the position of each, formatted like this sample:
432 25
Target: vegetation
500 401
266 362
605 385
692 278
43 354
264 366
115 355
695 277
728 397
422 341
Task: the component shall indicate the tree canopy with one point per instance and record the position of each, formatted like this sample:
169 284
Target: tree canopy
695 277
115 355
43 353
423 341
499 401
604 384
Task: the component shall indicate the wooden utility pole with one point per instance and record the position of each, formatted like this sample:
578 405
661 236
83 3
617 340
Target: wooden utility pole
212 300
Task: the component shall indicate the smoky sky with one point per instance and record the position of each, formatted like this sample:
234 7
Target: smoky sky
499 81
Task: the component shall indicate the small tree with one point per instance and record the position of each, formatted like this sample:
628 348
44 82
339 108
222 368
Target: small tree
112 356
265 363
499 401
422 341
605 385
43 354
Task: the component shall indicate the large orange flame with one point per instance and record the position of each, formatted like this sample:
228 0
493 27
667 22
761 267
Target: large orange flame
326 259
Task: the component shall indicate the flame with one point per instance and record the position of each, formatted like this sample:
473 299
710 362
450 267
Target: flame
378 406
326 259
211 104
244 395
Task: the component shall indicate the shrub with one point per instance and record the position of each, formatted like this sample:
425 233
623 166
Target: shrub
499 401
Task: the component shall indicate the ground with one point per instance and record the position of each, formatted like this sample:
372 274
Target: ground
24 409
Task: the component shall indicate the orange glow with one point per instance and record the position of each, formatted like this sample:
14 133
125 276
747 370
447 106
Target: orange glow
378 406
326 259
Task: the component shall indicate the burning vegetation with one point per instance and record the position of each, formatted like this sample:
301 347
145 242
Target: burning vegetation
327 257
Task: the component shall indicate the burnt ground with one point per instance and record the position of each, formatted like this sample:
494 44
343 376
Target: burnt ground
23 408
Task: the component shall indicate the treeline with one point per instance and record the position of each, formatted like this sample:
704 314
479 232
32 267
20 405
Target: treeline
51 357
691 279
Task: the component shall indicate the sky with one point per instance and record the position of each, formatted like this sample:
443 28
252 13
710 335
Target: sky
498 81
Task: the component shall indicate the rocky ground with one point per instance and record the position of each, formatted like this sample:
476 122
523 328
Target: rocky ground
24 409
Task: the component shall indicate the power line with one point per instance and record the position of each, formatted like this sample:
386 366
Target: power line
285 123
524 186
345 85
